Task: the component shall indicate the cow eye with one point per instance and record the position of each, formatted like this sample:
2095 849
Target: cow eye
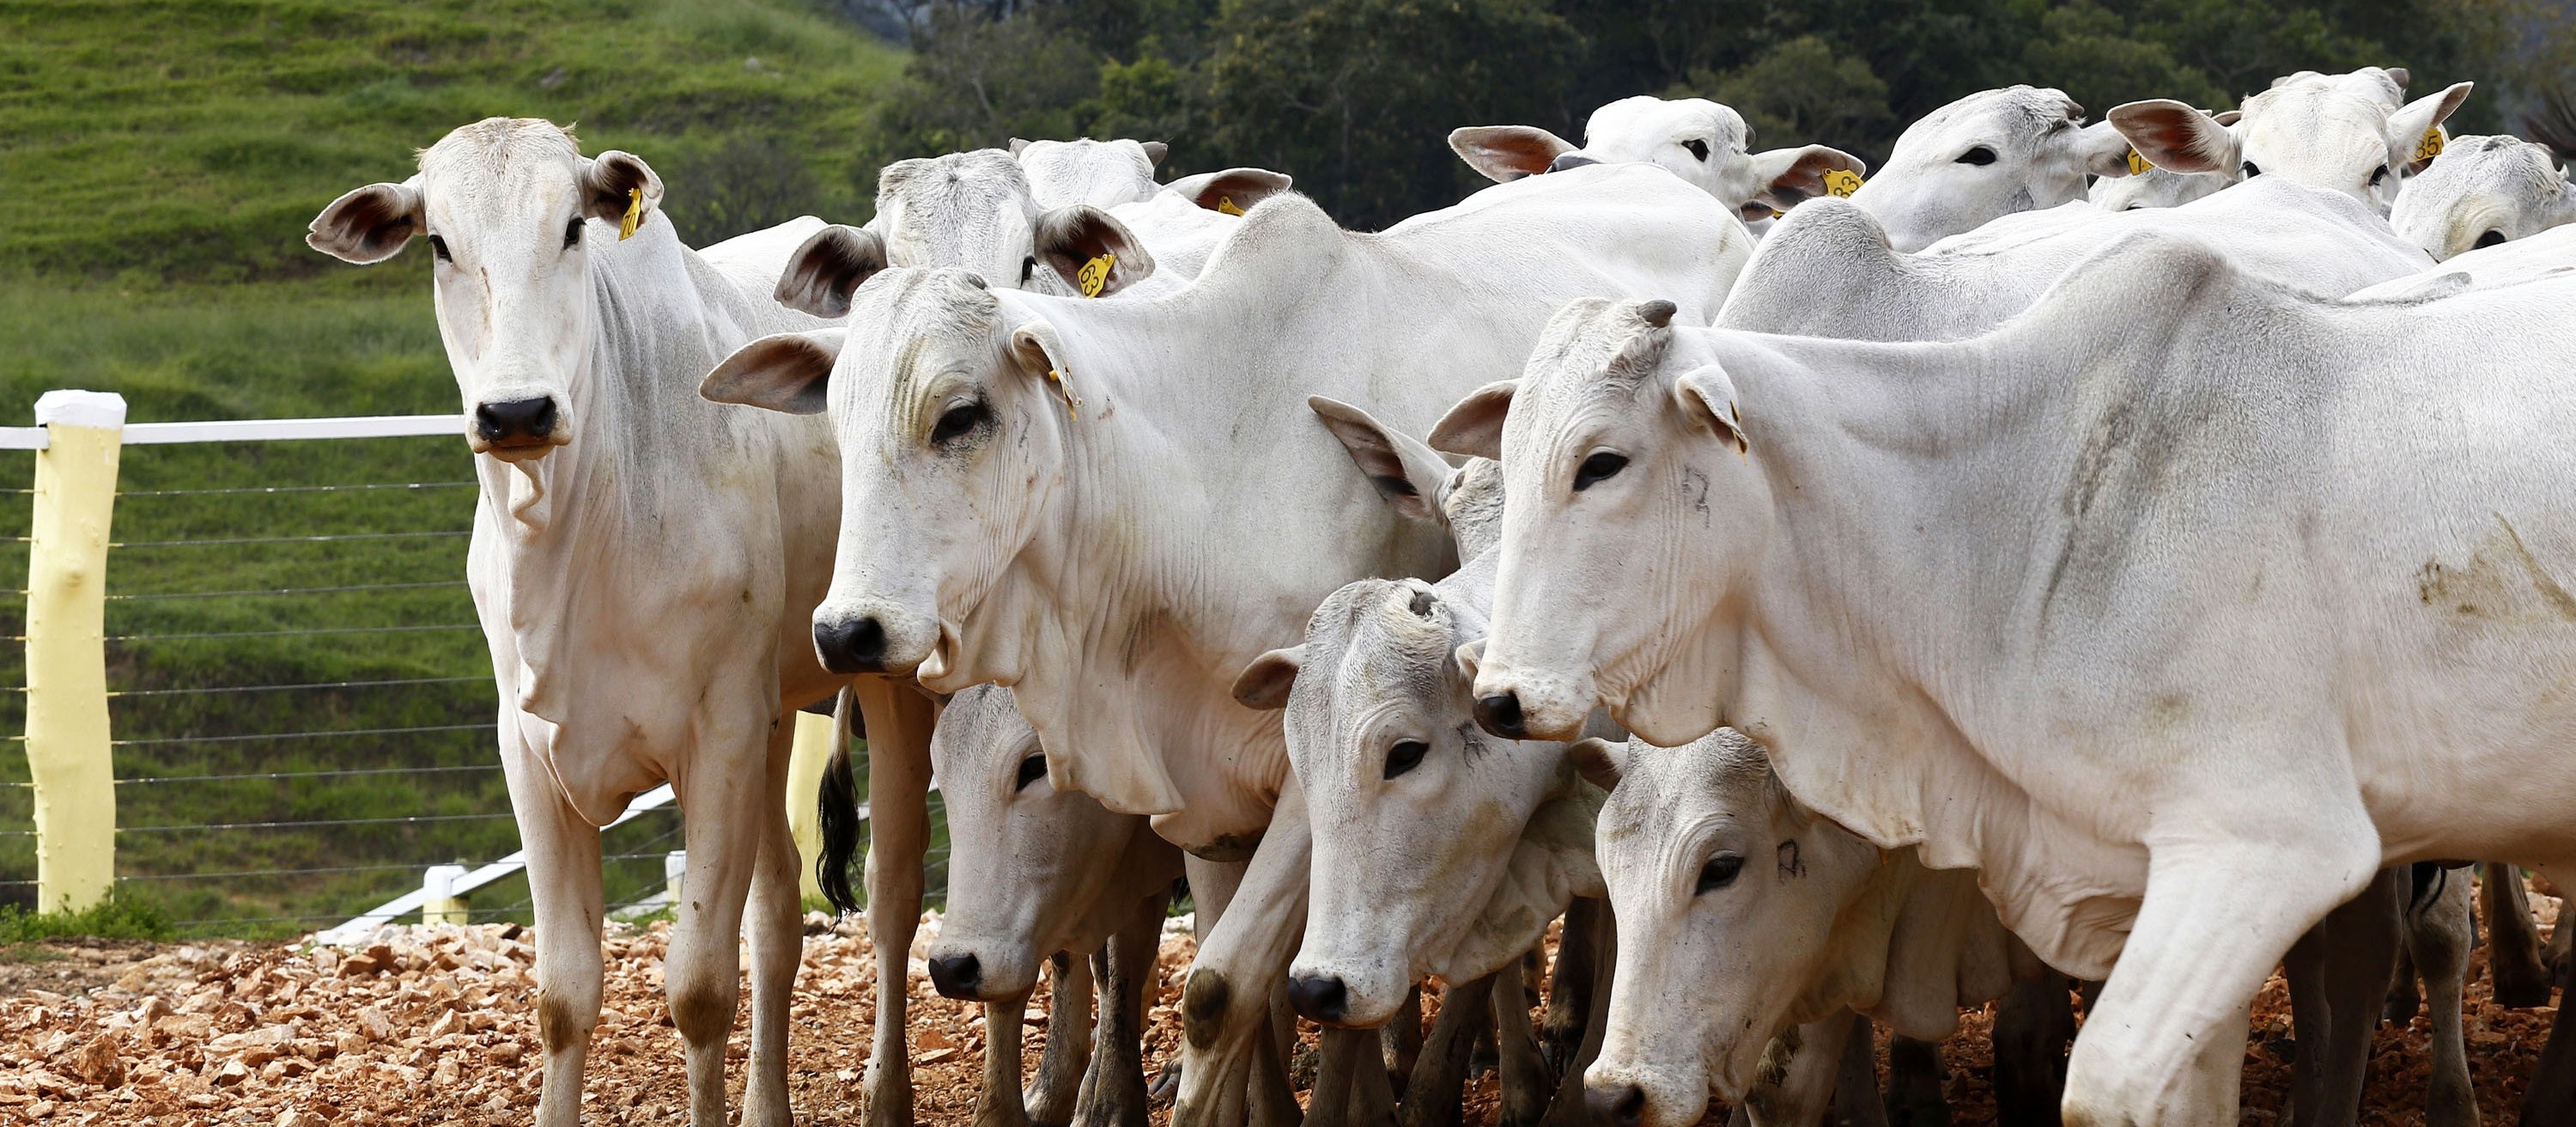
1698 149
1719 872
438 247
1032 769
2491 238
1405 756
957 421
572 233
1979 155
1028 269
2379 176
1598 467
2252 170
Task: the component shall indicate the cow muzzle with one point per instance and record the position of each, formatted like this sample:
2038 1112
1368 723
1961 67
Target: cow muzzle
1527 708
1629 1097
873 637
518 428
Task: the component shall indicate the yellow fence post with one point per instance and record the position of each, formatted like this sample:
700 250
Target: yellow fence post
805 766
67 742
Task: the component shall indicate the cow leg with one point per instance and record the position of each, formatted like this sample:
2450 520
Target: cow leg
1113 1095
1433 1096
2513 940
564 887
1857 1102
1000 1103
2032 1030
1066 1060
1524 1075
725 815
2439 930
899 720
2166 1044
2334 972
1915 1079
1569 995
776 935
1569 1108
2402 1000
1807 1061
2551 1102
1229 1046
1401 1040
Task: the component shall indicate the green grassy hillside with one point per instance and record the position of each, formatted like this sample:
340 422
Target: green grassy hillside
158 165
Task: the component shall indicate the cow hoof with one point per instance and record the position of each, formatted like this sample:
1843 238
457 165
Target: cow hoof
1167 1083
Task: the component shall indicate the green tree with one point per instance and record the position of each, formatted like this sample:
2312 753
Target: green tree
2091 53
1799 93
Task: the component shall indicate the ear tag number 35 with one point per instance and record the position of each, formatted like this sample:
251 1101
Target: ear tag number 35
1841 182
1094 275
2431 145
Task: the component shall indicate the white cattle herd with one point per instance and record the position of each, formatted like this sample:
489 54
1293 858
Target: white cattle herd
2133 552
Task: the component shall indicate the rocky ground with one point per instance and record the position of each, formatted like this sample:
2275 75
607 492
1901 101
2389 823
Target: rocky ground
435 1025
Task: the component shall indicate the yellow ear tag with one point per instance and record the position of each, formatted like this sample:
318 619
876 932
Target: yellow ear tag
1072 405
1094 275
1225 206
634 214
1776 213
1841 182
2431 145
2138 165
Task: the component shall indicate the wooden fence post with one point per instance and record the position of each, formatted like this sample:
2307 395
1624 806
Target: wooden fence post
67 736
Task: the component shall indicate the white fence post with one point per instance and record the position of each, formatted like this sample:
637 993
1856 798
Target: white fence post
675 867
68 754
439 903
805 767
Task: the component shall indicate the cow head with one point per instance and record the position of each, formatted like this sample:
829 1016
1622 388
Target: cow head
514 214
1989 154
1623 464
1700 141
951 411
2480 192
976 211
1026 860
2345 133
1099 173
1730 897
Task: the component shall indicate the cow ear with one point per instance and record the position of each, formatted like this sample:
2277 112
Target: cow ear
1475 426
2102 150
783 372
1707 398
833 264
1070 239
1505 153
1019 145
1597 760
1155 151
1406 474
2414 121
2176 137
612 183
369 224
1465 658
1264 684
1782 178
2228 117
1232 191
2399 75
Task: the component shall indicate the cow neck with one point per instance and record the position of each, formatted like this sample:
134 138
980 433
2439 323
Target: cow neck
582 528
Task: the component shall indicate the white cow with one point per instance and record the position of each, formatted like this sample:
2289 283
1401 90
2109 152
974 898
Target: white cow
1696 139
1036 873
2513 263
642 562
2350 133
1990 154
2480 192
1829 269
1744 914
2179 605
1094 502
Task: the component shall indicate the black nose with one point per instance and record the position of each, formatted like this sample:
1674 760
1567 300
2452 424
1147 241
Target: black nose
1501 715
857 646
1319 999
515 419
957 976
1565 161
1622 1105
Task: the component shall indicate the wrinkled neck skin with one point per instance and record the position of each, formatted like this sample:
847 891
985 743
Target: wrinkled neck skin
1868 718
665 510
1145 585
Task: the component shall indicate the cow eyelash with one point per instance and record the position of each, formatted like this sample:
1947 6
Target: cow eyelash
955 422
438 249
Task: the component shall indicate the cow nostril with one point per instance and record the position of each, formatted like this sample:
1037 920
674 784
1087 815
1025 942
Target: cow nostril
855 646
957 976
1623 1105
1501 715
1320 998
1565 161
515 418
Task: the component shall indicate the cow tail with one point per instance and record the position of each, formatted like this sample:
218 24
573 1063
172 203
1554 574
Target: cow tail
837 811
2430 879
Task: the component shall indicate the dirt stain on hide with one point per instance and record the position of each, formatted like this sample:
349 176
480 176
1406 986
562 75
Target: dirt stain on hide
2501 582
